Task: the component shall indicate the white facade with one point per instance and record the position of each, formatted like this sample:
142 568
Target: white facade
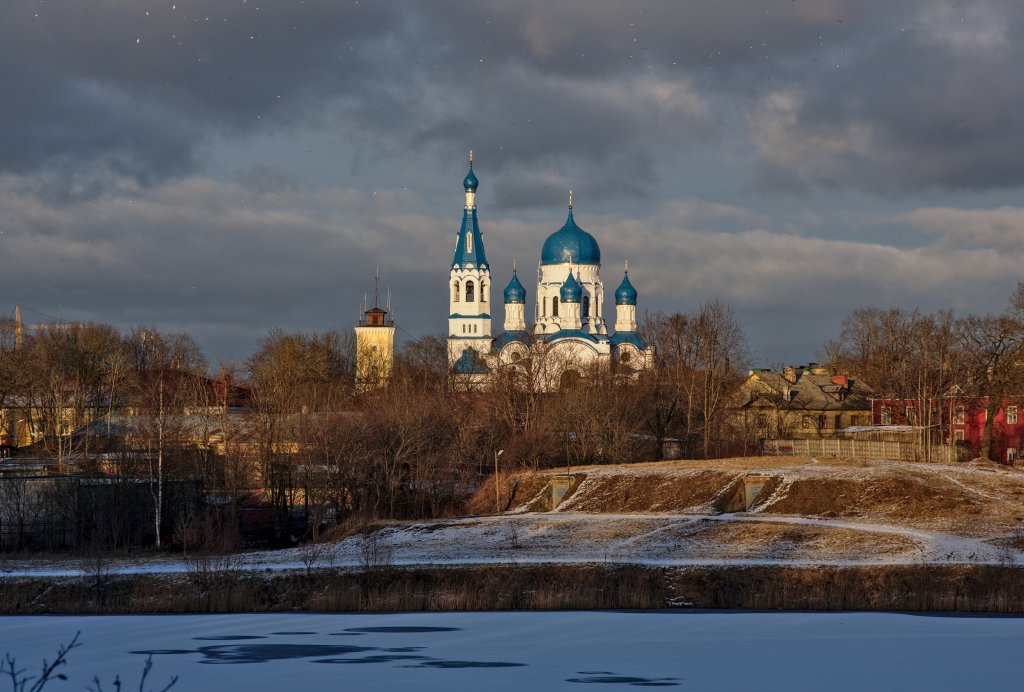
569 337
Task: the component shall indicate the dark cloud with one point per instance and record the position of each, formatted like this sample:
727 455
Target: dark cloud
230 166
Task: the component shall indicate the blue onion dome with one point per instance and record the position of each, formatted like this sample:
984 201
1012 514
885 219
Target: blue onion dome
570 243
571 291
514 292
625 294
470 182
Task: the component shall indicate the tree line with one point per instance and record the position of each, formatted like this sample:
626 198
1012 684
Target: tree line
286 436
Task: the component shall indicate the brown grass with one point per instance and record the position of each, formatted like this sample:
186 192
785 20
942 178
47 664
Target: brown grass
516 490
537 587
976 499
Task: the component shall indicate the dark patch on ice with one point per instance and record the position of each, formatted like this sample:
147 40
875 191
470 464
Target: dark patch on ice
288 633
163 652
377 658
345 634
606 678
401 630
261 653
229 637
468 664
405 649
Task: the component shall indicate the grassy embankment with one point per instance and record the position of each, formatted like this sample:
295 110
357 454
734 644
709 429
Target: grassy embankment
988 589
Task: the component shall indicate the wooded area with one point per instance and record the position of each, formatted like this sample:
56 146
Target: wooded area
283 446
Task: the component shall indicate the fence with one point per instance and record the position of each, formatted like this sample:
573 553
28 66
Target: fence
870 449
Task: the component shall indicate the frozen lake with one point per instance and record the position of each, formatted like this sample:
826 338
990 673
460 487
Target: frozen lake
533 651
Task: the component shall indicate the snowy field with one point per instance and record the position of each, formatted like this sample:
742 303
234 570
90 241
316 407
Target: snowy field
533 651
569 537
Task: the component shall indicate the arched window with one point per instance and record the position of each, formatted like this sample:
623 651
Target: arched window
586 306
469 292
469 241
554 306
483 291
455 287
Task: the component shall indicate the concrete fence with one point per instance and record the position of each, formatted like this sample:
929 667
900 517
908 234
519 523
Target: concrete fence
865 449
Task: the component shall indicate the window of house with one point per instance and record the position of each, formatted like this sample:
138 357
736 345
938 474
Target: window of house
1011 454
1011 415
554 306
958 416
822 422
886 416
839 421
958 435
456 287
470 297
854 420
805 421
910 414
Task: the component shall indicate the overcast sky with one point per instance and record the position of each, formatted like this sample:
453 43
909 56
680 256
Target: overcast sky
226 167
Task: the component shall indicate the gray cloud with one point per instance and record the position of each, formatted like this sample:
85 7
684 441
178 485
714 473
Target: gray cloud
225 169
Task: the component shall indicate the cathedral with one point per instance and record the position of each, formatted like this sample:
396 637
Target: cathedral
569 338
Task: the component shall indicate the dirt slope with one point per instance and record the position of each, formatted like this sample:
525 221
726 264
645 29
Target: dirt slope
974 499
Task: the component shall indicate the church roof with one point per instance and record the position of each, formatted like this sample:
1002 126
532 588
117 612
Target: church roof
570 243
629 338
514 292
513 335
470 182
625 294
469 363
576 334
470 253
571 291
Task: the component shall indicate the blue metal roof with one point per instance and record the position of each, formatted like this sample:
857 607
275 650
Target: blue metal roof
463 255
625 294
570 243
629 338
514 292
513 335
575 334
470 182
469 363
456 315
571 291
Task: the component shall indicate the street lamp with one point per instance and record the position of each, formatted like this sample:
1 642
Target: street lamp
497 491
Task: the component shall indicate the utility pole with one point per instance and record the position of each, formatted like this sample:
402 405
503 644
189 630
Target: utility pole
497 488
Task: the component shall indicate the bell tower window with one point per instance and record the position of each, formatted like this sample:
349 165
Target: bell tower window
455 286
469 242
470 297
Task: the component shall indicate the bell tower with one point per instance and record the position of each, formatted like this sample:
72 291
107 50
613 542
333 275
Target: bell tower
469 283
375 343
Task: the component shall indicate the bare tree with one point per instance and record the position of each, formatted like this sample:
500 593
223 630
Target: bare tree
698 365
993 348
167 368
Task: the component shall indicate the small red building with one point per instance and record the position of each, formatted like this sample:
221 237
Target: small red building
960 420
